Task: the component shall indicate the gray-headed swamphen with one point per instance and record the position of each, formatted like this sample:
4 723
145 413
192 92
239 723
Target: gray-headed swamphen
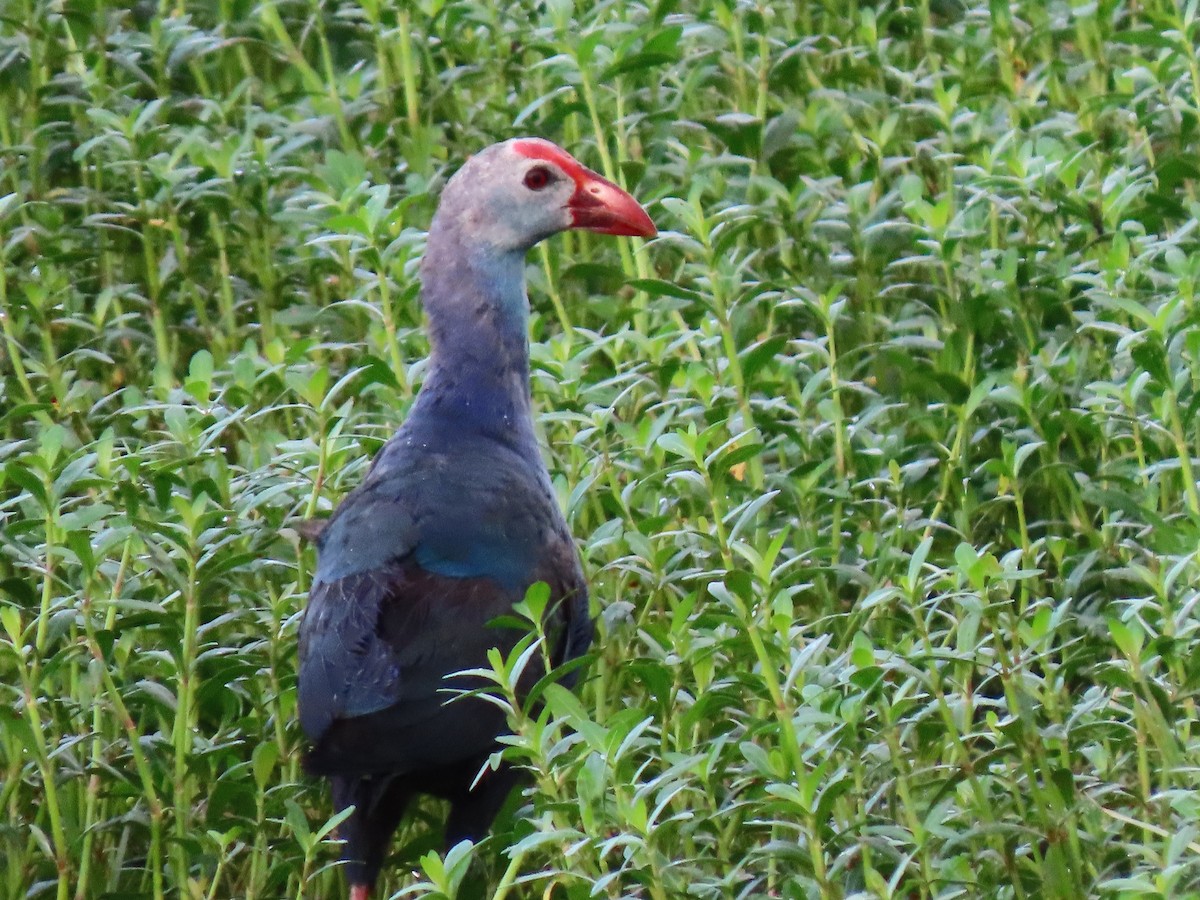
455 520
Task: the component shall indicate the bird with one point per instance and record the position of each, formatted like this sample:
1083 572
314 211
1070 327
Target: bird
454 521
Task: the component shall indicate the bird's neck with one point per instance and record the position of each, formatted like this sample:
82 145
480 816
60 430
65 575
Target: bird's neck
478 326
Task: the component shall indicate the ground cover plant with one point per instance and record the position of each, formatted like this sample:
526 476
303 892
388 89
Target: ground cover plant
881 457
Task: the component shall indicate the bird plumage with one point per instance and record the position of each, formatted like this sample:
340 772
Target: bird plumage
454 521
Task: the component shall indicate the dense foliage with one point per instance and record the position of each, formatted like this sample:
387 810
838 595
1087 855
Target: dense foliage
881 457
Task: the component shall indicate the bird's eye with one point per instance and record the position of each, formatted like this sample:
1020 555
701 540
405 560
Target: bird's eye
537 178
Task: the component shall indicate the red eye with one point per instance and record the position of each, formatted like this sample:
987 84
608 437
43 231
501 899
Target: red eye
537 178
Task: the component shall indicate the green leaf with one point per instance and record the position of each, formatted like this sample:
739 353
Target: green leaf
657 288
1150 355
201 366
264 758
51 442
1127 636
298 822
10 617
755 357
678 444
537 599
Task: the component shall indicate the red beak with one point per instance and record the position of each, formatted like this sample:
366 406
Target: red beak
599 205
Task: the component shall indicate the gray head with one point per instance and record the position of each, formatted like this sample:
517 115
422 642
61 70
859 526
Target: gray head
513 194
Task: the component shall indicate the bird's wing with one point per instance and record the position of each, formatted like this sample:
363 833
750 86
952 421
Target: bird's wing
402 600
345 670
388 702
389 636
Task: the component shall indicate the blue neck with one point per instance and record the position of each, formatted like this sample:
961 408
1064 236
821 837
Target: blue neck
478 313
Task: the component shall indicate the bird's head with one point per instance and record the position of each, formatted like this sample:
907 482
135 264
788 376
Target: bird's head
521 191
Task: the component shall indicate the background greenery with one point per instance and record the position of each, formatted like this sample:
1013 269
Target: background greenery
881 457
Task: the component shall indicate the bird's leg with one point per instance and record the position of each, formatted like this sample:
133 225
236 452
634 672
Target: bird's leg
472 810
379 803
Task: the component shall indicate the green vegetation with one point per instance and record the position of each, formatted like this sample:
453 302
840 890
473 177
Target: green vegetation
881 458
